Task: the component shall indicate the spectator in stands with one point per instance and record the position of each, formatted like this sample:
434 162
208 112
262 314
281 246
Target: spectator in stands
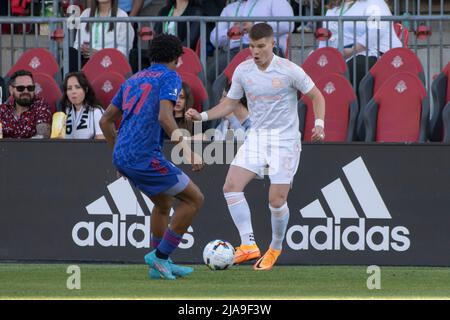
238 121
211 8
177 8
24 115
118 35
185 101
82 108
232 34
365 45
307 10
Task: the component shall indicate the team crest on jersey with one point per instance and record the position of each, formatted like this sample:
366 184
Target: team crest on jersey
277 83
401 87
106 61
397 62
323 61
329 88
35 63
107 86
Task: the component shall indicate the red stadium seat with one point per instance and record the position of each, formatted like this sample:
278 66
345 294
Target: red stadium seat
227 75
341 113
198 90
36 60
392 62
109 59
106 85
47 88
325 60
398 111
446 123
189 62
440 89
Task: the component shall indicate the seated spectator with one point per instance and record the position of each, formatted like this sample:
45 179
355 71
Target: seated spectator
238 121
178 8
247 8
185 101
173 8
106 35
82 108
24 115
306 12
355 48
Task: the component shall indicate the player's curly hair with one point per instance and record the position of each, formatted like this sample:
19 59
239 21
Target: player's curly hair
165 48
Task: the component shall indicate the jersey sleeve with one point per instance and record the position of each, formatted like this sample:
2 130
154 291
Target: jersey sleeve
170 87
97 115
301 81
118 98
236 91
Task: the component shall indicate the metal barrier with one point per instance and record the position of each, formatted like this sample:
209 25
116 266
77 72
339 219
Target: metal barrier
59 38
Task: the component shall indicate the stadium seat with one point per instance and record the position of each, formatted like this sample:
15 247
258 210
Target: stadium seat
198 90
189 62
341 109
399 111
392 62
227 75
446 122
36 60
325 60
106 85
440 89
47 88
108 59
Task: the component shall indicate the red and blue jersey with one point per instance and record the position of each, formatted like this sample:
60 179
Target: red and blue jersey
140 135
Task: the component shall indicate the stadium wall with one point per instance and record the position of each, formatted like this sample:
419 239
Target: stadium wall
389 204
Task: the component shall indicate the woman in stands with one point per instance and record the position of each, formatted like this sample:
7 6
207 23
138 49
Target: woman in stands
82 108
92 37
365 46
178 8
184 102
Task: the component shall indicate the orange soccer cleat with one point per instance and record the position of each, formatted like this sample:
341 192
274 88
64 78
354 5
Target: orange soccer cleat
268 260
246 253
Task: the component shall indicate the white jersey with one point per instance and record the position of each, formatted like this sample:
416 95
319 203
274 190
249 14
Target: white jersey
84 124
271 95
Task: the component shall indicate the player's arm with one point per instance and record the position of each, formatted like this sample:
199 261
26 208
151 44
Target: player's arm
318 102
169 125
107 124
221 110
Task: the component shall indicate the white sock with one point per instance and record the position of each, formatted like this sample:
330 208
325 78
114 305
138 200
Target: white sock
280 219
240 212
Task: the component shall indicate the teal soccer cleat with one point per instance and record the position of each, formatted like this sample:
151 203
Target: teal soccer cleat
177 270
161 266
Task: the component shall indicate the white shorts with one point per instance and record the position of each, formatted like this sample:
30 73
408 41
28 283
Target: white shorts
279 159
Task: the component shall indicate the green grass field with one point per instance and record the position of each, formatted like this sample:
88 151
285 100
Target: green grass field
39 281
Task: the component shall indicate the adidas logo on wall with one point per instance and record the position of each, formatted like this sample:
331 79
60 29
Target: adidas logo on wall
116 232
337 234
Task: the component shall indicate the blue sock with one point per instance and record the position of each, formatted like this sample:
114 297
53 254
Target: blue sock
168 244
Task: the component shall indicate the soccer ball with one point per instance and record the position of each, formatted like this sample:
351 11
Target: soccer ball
218 255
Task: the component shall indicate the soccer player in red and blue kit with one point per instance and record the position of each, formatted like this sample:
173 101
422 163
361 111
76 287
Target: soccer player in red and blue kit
145 102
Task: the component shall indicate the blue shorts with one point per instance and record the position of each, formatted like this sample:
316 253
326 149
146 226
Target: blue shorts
155 176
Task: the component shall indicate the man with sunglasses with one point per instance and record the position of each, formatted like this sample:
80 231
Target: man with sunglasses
24 115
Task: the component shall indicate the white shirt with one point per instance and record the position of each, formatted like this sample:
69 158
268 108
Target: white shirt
370 8
83 124
254 8
271 95
120 31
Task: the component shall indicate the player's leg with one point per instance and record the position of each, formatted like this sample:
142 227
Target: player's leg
278 206
233 189
191 199
283 161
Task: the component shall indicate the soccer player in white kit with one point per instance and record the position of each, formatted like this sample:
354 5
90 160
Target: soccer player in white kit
273 143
